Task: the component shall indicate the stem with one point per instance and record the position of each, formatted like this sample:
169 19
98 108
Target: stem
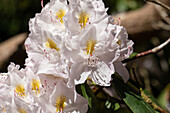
152 51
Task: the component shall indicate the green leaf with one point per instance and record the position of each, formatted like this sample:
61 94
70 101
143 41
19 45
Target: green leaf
85 91
133 100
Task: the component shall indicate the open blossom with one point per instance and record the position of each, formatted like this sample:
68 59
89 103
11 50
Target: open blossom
44 45
14 94
93 57
18 82
98 53
45 54
64 100
51 17
83 14
119 35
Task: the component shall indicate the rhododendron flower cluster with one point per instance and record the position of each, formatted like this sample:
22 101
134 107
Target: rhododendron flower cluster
69 42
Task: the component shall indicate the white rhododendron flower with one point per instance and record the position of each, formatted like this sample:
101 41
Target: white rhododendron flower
51 17
18 83
125 45
119 35
89 58
64 100
45 53
83 14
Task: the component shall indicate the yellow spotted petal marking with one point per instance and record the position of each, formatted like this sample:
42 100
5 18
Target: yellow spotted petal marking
119 42
51 44
35 86
21 111
90 44
3 109
83 19
60 14
20 90
60 103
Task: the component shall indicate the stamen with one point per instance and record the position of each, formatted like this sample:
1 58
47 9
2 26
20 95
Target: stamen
51 44
90 44
119 21
60 14
83 19
35 86
60 103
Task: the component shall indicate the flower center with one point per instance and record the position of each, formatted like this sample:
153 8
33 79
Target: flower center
20 90
90 44
60 103
21 111
83 19
35 86
51 44
60 14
